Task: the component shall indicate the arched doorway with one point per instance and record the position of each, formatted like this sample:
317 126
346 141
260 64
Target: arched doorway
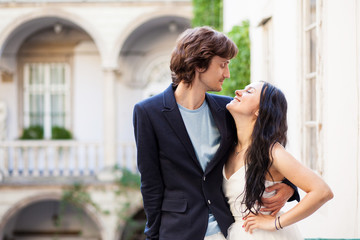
134 228
49 219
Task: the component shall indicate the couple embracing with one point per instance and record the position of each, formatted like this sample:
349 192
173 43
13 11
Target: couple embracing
213 167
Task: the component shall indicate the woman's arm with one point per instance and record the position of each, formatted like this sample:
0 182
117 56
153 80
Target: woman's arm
317 192
284 192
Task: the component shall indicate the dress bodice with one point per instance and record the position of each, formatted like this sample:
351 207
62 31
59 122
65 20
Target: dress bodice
234 192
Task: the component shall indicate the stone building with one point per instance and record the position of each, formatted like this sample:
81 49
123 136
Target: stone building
311 50
77 66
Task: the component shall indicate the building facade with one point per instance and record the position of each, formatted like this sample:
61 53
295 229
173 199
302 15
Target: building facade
76 68
311 50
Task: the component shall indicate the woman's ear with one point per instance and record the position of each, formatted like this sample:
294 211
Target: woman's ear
257 113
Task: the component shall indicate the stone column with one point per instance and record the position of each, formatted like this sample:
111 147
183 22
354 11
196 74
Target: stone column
109 123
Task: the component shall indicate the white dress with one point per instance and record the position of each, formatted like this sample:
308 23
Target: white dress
233 189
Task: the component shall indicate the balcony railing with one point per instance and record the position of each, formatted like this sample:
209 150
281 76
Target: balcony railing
59 158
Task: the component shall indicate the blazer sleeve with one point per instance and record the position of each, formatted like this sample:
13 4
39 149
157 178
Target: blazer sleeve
296 195
152 186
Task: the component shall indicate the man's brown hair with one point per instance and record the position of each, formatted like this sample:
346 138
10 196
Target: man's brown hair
195 48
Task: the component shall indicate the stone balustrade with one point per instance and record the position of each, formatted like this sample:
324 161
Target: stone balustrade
38 158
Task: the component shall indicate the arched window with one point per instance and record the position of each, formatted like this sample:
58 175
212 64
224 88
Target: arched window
158 77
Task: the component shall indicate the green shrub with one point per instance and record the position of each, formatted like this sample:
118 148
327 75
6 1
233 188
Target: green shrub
127 178
209 13
60 133
32 133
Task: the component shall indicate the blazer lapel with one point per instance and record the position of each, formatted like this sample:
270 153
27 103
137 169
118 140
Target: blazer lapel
220 118
173 116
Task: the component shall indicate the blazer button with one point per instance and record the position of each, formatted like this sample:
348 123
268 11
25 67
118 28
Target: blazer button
209 202
204 178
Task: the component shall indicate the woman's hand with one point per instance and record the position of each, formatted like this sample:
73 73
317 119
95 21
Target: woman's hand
259 221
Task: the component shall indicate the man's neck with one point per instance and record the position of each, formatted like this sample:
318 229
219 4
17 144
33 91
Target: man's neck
190 97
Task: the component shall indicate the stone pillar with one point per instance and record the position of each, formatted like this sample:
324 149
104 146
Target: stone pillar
109 123
3 117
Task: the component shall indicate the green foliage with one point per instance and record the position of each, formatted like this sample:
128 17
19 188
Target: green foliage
209 13
127 178
37 132
32 133
240 65
77 196
60 133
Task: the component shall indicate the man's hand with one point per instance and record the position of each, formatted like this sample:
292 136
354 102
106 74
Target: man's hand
259 221
275 203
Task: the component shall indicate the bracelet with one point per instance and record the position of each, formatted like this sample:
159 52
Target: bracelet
275 224
279 222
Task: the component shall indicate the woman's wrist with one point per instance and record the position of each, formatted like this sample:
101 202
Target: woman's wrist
277 223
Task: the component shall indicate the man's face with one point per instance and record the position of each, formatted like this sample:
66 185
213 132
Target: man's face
213 78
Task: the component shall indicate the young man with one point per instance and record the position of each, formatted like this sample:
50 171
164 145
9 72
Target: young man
184 136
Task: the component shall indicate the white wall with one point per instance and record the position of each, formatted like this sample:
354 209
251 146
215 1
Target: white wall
339 218
87 93
285 59
285 66
239 8
341 115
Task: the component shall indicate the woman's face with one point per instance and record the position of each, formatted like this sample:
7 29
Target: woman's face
246 101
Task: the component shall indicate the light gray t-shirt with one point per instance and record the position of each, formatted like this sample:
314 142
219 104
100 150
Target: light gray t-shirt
205 137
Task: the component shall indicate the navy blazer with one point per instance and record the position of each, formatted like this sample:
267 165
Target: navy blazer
177 193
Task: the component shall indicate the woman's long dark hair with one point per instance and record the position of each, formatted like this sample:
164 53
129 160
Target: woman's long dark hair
270 128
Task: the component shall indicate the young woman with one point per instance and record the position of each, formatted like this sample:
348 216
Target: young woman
259 160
